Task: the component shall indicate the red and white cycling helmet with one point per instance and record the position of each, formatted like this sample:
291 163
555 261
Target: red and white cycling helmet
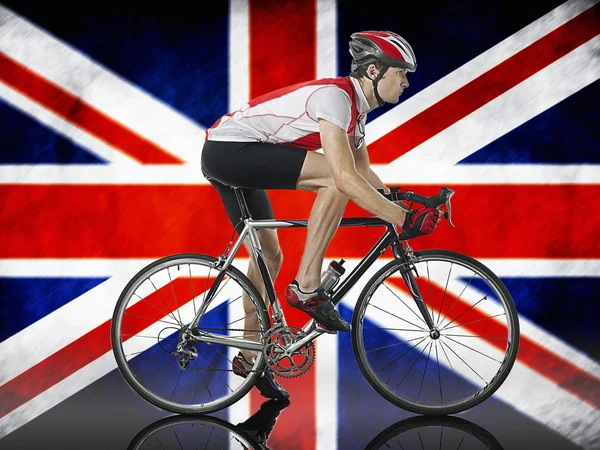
390 49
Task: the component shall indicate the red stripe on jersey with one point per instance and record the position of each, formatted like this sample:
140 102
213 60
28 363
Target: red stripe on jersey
341 82
309 142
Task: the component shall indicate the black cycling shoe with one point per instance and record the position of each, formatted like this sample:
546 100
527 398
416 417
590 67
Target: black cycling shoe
317 305
261 424
266 384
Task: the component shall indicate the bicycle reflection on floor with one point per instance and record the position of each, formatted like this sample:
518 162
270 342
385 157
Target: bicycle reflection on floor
208 432
434 432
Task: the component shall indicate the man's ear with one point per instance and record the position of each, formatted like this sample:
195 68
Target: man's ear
373 72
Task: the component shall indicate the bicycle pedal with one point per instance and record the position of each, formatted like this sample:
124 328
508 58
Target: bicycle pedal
325 330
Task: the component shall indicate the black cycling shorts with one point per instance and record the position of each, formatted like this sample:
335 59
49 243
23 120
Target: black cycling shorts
254 167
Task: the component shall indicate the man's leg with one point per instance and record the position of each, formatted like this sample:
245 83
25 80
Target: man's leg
325 217
269 243
274 259
259 206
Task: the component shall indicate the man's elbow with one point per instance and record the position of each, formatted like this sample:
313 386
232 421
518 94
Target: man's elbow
344 182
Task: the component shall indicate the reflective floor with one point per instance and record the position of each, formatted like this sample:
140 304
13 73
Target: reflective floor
109 415
178 431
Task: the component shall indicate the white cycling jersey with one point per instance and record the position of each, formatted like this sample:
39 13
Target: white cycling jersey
291 115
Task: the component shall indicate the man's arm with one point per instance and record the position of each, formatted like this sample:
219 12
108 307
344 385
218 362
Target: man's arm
348 180
363 166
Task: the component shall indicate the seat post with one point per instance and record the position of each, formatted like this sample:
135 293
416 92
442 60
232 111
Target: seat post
242 202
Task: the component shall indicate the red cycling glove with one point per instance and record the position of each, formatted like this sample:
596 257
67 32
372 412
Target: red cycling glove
424 221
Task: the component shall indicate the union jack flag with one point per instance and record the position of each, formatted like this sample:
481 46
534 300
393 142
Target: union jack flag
103 111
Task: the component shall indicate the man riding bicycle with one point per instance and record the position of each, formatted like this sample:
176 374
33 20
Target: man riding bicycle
270 143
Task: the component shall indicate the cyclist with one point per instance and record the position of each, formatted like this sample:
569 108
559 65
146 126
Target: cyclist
271 143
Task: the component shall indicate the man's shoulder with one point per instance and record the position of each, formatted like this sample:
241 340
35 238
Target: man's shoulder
342 83
339 87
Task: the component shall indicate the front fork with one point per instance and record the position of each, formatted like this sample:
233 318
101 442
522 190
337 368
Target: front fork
406 267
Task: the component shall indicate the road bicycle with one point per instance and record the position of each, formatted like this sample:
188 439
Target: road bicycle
434 332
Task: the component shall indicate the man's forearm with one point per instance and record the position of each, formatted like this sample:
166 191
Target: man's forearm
372 178
361 192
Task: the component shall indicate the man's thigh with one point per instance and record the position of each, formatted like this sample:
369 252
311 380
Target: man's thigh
257 200
260 208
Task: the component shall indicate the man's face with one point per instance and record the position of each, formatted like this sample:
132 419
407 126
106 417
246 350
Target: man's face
392 84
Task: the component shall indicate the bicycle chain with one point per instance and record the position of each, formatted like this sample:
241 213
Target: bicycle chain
310 363
266 369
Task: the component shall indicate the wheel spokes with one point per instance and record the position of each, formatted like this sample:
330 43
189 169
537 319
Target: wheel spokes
469 350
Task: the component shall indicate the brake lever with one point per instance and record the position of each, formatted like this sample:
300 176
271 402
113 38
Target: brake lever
448 213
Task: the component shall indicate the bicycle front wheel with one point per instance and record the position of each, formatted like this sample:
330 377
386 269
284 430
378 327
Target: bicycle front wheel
429 432
461 363
149 337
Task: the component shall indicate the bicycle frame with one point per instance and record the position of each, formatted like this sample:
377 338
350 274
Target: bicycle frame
389 238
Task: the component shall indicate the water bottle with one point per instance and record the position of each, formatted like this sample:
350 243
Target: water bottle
330 277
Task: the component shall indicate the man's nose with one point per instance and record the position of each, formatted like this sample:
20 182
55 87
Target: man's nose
405 83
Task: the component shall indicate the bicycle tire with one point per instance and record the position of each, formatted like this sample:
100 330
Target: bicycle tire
457 423
119 354
171 421
362 359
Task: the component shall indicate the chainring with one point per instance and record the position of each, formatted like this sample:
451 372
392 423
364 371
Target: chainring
279 360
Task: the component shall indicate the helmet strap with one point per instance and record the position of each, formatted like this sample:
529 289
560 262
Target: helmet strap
376 81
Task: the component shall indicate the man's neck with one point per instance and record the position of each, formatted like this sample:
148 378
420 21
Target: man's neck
367 87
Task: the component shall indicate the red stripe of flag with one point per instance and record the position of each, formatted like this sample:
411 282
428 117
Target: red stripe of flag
486 87
283 52
94 344
546 363
83 221
282 44
81 114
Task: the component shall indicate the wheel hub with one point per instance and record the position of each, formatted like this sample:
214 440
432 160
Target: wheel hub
434 334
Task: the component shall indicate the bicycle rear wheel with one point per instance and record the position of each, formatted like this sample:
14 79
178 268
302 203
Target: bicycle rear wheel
152 316
429 373
177 432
